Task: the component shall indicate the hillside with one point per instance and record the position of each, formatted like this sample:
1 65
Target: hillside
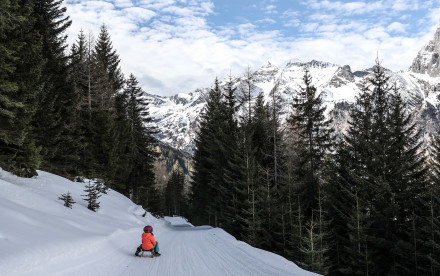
39 236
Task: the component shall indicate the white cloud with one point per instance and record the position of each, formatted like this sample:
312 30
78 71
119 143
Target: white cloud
171 48
138 14
270 9
155 4
267 20
123 3
365 7
397 27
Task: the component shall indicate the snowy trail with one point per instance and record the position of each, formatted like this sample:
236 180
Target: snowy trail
39 236
187 252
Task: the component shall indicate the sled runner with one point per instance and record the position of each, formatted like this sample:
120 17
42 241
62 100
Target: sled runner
153 254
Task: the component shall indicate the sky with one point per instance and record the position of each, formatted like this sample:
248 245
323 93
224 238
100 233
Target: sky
176 46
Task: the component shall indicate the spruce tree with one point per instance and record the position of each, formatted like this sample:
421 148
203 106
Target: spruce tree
9 46
349 185
430 229
55 119
235 217
92 196
276 172
141 143
174 194
209 162
109 59
381 175
256 162
21 84
203 184
68 200
408 181
313 143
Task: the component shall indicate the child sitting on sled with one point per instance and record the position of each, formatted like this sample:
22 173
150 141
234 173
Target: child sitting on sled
149 243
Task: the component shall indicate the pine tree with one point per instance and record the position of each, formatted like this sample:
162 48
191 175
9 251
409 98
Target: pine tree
9 46
80 66
68 200
174 194
153 199
381 175
21 84
55 120
430 229
408 181
312 144
348 192
92 196
244 103
109 59
99 154
101 187
208 185
256 162
233 190
141 143
276 171
203 184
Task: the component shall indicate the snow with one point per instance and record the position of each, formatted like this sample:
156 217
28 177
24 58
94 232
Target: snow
39 236
184 96
179 120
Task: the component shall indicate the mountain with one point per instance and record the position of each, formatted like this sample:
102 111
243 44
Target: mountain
39 236
178 116
428 59
169 160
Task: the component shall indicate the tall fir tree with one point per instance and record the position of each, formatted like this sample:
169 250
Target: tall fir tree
55 119
109 59
203 186
21 84
350 182
140 148
313 144
175 198
256 162
383 178
431 227
234 189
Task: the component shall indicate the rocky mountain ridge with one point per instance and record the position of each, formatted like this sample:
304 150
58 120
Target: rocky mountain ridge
428 58
177 117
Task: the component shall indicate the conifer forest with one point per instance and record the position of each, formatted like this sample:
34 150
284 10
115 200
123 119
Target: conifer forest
366 202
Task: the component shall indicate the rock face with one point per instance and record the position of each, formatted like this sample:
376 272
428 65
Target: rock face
428 59
178 116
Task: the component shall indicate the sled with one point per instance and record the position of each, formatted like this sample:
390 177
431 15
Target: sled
153 254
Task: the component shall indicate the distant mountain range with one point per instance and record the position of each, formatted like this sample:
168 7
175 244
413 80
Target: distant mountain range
177 117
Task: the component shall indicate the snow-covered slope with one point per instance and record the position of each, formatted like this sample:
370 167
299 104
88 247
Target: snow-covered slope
39 236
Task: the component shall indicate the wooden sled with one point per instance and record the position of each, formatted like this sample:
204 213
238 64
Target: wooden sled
153 254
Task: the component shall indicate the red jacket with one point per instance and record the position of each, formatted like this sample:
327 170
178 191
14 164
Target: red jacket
148 241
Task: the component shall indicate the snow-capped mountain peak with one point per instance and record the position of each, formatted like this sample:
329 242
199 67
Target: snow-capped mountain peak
177 117
428 58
